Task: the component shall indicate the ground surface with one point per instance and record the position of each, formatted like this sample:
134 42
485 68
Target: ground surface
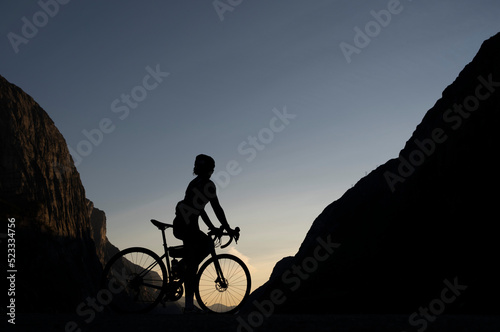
221 323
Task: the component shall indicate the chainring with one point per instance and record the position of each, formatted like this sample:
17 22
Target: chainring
174 291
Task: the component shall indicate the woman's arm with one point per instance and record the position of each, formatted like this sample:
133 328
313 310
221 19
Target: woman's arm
219 213
207 220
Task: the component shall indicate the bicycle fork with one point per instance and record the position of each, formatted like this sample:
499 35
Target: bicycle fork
221 282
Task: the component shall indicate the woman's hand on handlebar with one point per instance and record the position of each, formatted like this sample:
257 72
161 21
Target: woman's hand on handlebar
232 233
235 234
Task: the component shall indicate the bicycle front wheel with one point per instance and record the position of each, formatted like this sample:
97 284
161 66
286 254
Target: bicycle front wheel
135 279
223 295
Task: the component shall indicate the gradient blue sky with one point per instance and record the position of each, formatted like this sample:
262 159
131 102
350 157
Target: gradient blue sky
225 79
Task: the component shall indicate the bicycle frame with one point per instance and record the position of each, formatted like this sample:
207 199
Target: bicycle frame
138 269
166 256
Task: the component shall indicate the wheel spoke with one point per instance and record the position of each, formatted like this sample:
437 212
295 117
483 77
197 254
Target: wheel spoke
225 296
139 275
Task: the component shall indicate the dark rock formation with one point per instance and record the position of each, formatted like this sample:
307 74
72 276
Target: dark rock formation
61 243
105 250
56 258
415 225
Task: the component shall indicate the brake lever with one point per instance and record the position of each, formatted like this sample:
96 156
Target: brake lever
237 236
217 235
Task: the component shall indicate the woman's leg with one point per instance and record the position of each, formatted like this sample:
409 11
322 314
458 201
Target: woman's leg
197 246
191 267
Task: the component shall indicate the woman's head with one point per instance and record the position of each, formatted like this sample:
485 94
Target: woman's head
204 165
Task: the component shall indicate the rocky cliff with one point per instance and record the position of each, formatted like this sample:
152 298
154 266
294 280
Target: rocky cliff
420 230
104 249
56 258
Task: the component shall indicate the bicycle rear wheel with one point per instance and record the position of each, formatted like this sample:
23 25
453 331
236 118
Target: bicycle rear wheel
223 296
135 279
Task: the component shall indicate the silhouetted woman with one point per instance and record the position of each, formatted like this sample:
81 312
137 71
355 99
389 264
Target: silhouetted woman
197 245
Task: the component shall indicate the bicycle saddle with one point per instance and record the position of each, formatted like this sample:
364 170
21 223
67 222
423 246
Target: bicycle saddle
161 225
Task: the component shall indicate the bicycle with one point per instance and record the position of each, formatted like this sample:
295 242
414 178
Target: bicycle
139 280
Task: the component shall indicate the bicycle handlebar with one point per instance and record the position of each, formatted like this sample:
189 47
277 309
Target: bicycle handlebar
218 233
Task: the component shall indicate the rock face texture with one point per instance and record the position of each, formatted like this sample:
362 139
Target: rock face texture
419 230
104 249
38 175
56 258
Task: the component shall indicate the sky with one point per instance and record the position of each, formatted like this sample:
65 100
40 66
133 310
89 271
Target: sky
295 100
